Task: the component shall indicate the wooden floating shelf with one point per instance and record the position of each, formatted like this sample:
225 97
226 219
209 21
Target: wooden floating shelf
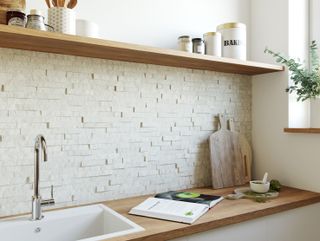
302 130
28 39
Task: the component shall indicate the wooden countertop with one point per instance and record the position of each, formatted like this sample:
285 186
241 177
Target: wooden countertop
225 213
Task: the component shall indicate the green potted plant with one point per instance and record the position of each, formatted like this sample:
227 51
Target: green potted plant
306 81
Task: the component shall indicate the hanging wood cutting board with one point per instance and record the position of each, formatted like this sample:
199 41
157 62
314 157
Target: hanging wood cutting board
228 162
246 151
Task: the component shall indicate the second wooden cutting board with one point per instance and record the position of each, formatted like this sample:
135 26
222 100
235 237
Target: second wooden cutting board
227 160
246 151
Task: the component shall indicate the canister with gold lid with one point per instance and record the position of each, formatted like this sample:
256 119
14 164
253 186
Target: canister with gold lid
234 40
212 41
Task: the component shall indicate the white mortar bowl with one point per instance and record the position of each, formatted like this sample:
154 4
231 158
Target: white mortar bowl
259 186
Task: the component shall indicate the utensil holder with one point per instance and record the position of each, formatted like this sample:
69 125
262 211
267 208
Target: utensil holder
63 20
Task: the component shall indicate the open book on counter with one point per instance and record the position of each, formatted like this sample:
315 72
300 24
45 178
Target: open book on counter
185 207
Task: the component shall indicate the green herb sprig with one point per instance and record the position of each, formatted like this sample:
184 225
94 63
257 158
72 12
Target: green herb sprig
306 80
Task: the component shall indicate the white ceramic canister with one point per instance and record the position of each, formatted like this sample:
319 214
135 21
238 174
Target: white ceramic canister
185 43
234 40
212 41
63 20
87 28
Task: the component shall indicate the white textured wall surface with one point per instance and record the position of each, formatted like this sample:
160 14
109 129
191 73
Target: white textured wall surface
157 22
291 158
113 129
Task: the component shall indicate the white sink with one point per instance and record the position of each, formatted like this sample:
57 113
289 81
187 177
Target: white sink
89 223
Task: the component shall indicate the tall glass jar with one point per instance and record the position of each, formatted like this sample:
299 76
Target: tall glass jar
185 43
35 20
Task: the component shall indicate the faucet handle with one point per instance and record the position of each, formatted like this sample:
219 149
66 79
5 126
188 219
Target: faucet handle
48 202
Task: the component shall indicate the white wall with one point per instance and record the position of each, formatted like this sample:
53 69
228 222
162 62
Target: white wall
157 22
292 158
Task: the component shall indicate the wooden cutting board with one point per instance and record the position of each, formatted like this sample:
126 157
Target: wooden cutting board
246 151
228 159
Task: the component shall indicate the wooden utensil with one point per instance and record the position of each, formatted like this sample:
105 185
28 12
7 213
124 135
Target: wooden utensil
228 168
60 3
72 4
246 151
49 3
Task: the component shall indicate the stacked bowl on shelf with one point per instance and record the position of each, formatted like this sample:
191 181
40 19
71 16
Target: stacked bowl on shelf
6 5
228 41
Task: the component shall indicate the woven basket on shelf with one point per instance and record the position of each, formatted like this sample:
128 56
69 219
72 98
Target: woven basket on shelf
3 15
5 5
21 4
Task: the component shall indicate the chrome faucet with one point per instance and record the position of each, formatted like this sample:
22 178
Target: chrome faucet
37 202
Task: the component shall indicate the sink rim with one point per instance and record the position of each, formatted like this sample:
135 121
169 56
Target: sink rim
57 214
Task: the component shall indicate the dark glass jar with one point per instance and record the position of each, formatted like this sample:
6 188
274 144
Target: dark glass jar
16 17
198 45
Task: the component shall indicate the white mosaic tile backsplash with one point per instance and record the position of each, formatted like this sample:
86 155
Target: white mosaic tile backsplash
113 129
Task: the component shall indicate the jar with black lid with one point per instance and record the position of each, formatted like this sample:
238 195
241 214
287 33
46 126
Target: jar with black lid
16 17
198 45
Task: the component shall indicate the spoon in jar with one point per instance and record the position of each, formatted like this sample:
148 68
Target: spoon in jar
72 4
61 3
55 3
49 3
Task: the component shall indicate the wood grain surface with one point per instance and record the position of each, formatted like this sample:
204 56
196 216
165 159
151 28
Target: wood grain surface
18 4
227 162
302 130
246 151
225 213
29 39
5 5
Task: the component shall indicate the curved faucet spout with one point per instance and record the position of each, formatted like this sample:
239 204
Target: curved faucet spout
40 147
40 144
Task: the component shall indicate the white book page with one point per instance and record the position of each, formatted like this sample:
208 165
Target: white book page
171 207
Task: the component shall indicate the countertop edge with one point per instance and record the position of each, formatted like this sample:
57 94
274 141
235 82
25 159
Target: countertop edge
203 227
226 213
